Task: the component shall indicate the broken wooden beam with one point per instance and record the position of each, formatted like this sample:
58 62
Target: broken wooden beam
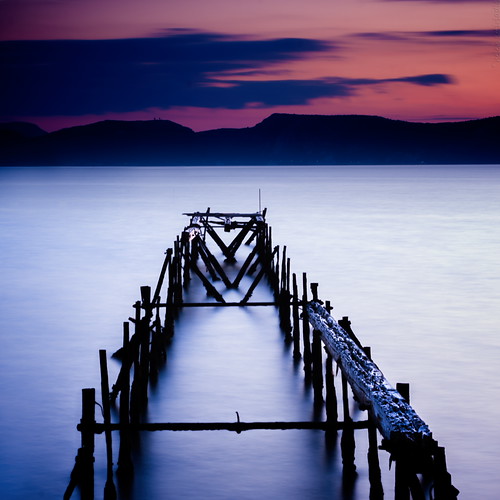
99 428
396 419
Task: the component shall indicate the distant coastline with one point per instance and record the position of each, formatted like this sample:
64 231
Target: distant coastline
280 139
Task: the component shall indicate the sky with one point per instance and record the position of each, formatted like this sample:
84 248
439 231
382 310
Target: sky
209 64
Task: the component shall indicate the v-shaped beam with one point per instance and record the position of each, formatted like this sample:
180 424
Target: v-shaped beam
216 271
230 250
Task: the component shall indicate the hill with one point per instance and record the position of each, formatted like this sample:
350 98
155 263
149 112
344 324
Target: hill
280 139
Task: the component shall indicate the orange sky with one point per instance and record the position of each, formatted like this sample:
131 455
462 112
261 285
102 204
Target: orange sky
373 43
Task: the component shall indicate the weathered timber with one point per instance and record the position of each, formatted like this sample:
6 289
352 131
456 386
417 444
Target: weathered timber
395 418
86 452
306 330
295 319
109 488
99 428
259 276
124 458
224 304
404 434
166 263
220 217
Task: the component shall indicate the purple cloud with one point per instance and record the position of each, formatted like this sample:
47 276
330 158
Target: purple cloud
179 68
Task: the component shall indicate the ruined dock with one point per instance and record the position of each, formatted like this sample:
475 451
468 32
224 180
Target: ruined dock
319 342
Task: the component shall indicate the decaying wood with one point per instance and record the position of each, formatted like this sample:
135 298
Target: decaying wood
395 418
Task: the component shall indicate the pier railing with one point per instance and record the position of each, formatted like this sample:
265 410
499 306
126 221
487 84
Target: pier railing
318 340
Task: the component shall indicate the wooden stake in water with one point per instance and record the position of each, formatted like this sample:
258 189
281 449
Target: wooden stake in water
109 488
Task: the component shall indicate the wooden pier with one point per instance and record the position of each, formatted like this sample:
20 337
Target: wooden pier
319 342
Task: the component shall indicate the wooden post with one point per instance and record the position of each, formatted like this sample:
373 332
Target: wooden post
401 488
296 319
109 488
145 336
124 459
306 329
443 489
269 241
170 308
347 443
368 351
88 444
275 275
284 301
187 258
314 291
157 353
166 264
346 325
178 267
331 393
404 390
317 364
288 324
374 474
135 399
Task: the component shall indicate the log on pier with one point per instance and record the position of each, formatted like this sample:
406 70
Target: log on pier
396 419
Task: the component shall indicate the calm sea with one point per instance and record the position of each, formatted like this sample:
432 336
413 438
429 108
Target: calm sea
409 253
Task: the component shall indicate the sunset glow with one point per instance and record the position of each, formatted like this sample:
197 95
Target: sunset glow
221 63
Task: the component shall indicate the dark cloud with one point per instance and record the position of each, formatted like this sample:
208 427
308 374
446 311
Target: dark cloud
425 80
403 36
180 68
94 76
462 33
298 92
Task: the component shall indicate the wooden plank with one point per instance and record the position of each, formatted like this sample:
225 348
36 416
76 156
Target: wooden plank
99 428
395 418
222 215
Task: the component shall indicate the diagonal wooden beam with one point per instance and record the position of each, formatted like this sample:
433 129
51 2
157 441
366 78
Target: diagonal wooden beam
238 240
245 266
213 234
211 290
213 263
259 276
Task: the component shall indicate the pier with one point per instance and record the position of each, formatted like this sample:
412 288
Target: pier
335 363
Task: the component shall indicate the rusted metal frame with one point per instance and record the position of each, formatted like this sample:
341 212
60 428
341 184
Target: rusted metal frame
213 265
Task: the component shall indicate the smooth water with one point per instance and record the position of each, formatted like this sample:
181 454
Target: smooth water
410 254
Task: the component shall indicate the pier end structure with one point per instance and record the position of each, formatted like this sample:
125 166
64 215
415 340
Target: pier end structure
404 435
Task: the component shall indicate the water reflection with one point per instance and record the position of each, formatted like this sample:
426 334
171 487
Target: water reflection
409 253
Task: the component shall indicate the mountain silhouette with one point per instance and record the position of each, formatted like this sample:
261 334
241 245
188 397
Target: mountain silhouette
280 139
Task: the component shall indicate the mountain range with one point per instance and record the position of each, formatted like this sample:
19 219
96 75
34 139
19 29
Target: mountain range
280 139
